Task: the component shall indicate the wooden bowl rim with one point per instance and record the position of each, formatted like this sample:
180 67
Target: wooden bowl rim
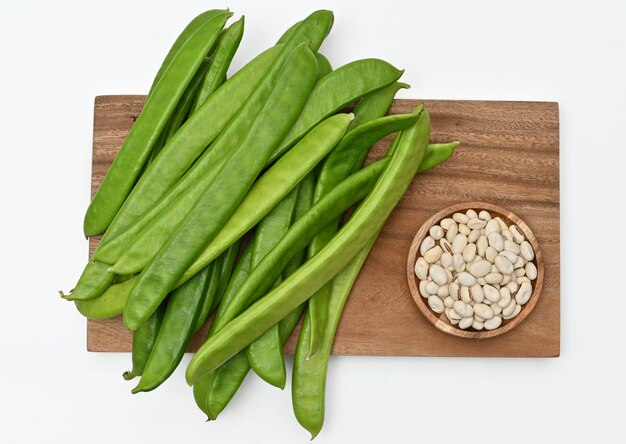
440 320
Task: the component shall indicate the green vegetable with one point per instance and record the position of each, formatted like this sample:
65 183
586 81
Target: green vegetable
210 291
156 112
182 310
220 61
293 84
338 89
375 104
366 221
143 342
323 65
279 180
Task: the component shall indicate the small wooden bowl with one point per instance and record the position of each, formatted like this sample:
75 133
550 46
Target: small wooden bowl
440 320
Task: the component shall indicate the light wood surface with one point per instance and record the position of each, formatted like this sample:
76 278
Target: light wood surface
441 321
509 156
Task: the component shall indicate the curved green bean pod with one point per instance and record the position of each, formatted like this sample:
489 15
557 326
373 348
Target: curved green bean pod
143 341
437 153
346 158
366 221
189 30
266 355
294 82
155 114
93 281
274 185
110 303
210 290
182 310
220 61
338 89
309 371
228 262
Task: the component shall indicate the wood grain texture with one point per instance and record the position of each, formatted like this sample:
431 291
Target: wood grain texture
509 156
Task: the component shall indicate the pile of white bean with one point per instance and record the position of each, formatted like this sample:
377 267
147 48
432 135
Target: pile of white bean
476 269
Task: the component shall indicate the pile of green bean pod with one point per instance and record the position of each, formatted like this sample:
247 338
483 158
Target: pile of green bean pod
240 204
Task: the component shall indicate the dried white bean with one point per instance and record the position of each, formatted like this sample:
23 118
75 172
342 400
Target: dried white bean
472 214
448 302
478 318
521 271
527 251
453 289
493 323
505 279
466 323
493 278
531 271
477 325
445 223
480 268
452 314
436 232
520 262
427 244
473 236
432 288
484 215
520 280
477 293
436 304
433 254
452 231
492 227
509 309
512 286
445 245
446 260
423 287
484 311
524 293
476 223
460 218
481 281
466 279
516 311
443 291
469 252
459 243
518 235
463 309
496 241
503 264
481 245
465 295
438 274
491 254
496 309
491 293
421 268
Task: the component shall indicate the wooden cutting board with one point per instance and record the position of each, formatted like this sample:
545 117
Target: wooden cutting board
509 155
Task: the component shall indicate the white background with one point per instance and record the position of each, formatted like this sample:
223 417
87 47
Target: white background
56 56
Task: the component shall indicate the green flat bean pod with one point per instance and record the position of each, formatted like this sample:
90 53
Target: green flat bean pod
220 61
323 65
110 303
294 82
143 341
161 103
93 281
366 221
266 355
176 328
338 89
210 291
